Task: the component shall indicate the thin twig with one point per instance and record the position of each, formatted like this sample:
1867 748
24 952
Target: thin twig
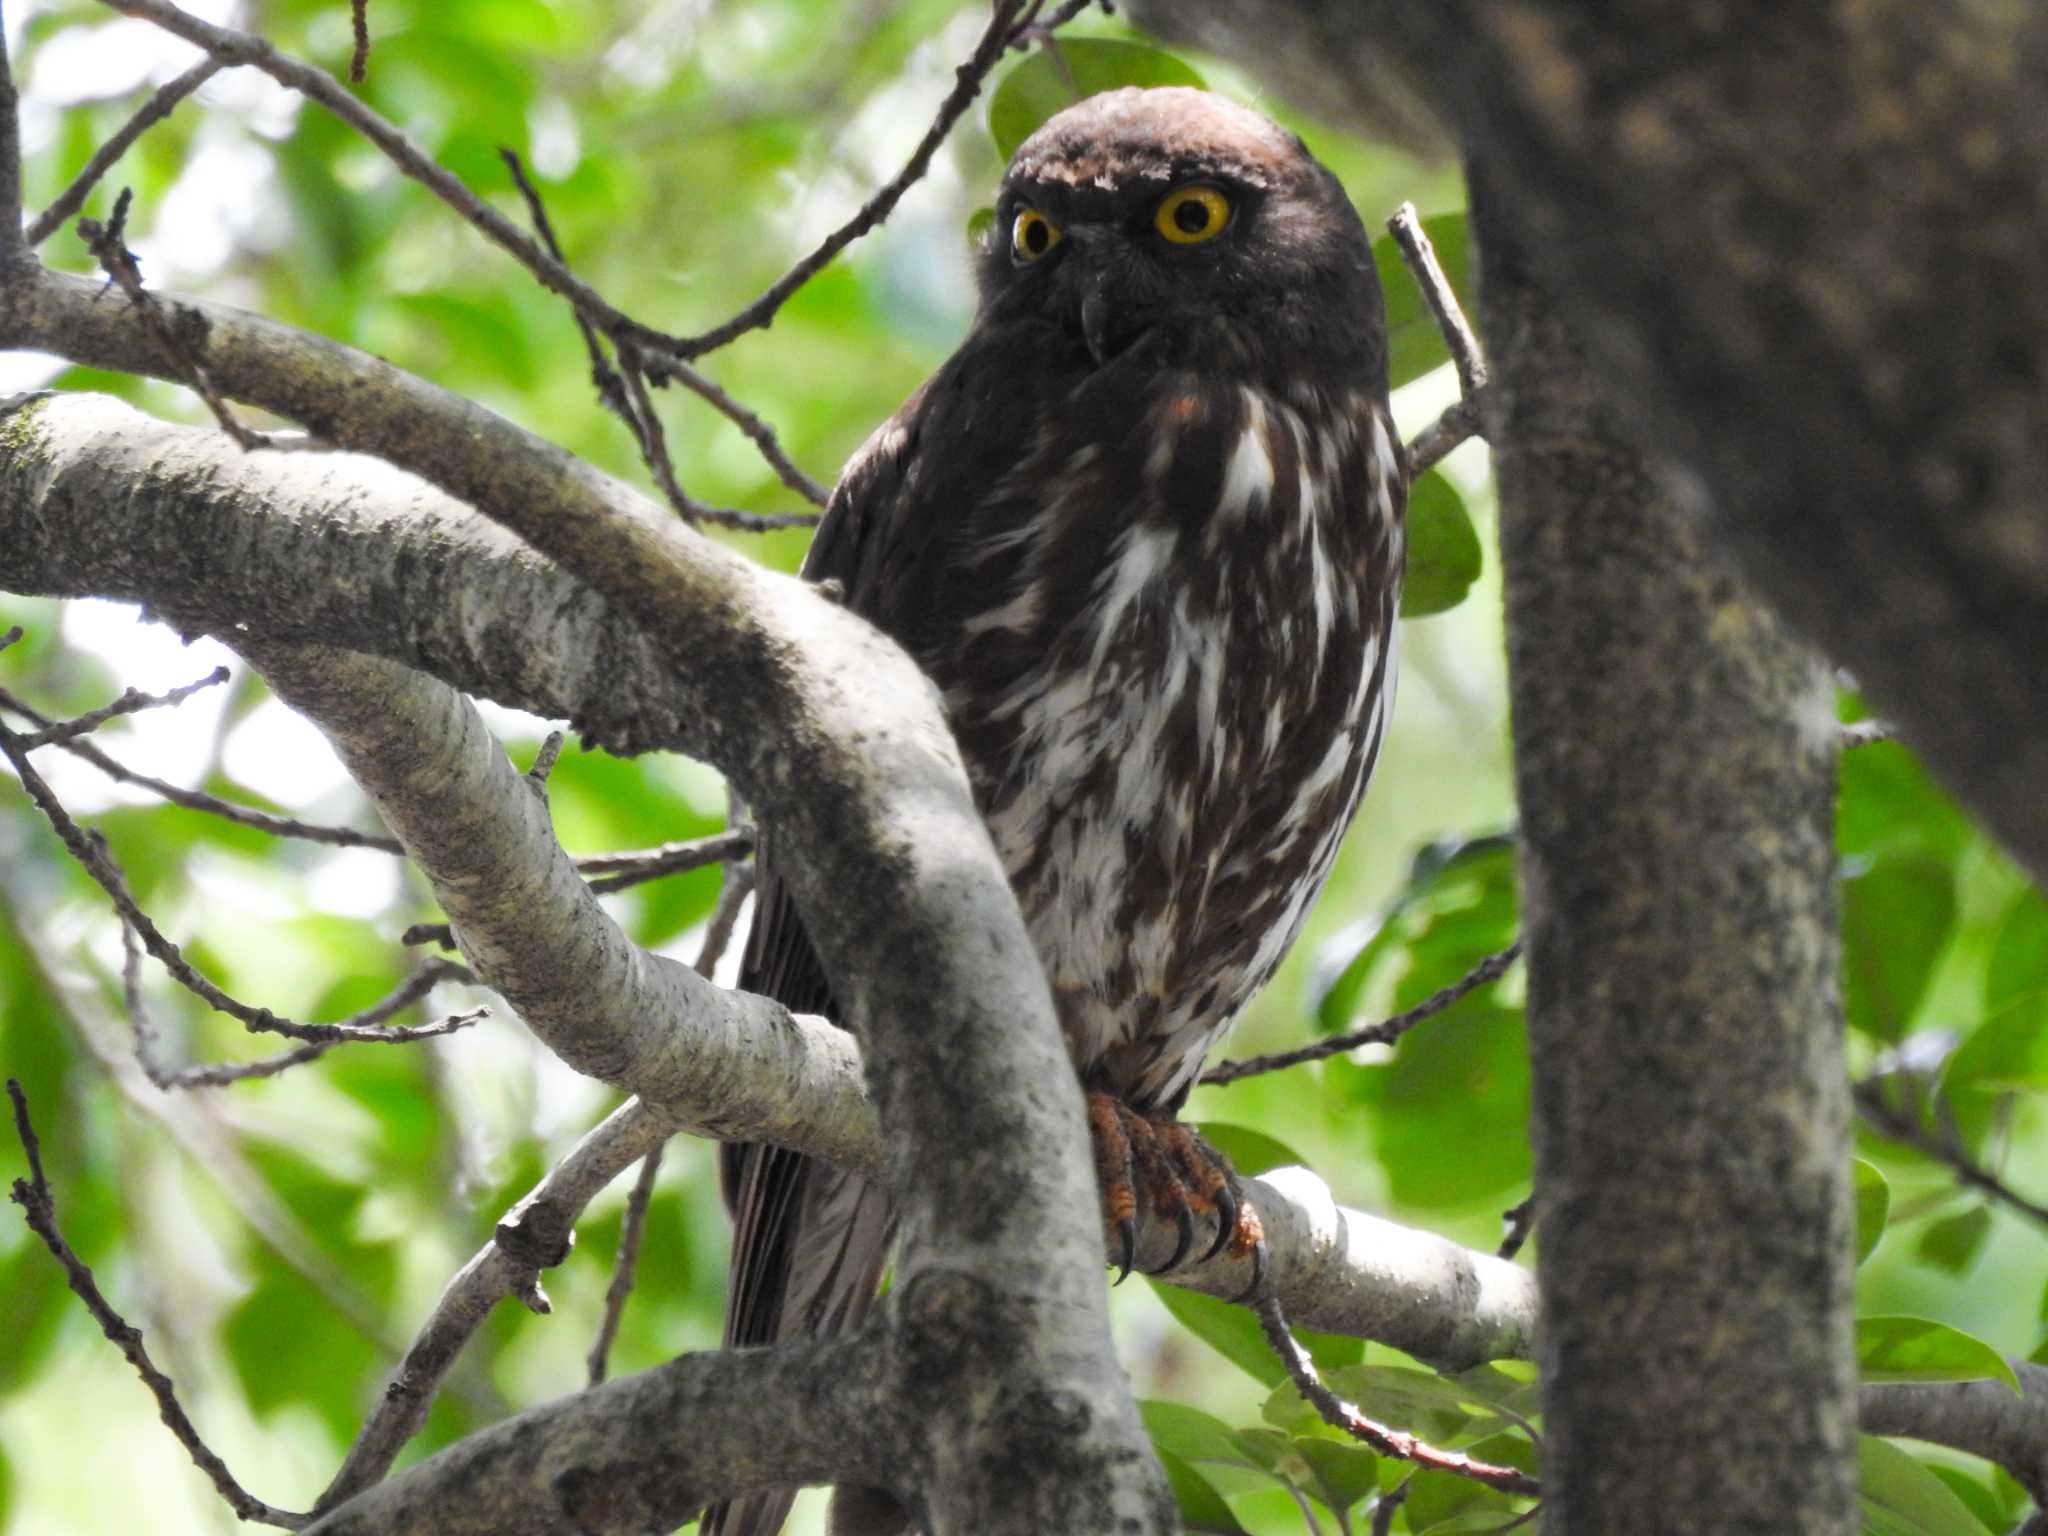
1381 1438
630 1234
132 701
359 55
1388 1506
1386 1032
623 391
1008 24
628 869
717 935
39 1207
544 760
1904 1123
663 370
1518 1222
148 1042
159 106
1461 419
12 248
107 243
1409 235
90 850
243 48
212 805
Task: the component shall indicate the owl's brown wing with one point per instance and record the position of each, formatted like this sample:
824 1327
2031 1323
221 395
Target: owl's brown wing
810 1240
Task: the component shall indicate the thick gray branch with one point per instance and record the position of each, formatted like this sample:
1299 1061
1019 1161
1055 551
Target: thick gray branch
1802 244
646 1452
1980 1417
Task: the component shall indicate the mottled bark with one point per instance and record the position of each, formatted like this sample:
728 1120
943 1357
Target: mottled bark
1802 244
1675 766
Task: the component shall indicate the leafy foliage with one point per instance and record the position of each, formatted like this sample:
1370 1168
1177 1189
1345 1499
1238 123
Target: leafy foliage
685 165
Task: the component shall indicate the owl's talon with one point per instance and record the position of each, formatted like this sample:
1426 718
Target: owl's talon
1258 1273
1185 1219
1127 1245
1226 1220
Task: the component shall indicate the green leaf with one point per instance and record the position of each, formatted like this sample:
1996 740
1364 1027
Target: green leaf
1452 871
1903 1498
1415 345
1201 1506
1250 1152
1953 1242
1917 1349
1443 549
1896 922
1873 1207
1053 79
1229 1330
1192 1435
1344 1474
981 228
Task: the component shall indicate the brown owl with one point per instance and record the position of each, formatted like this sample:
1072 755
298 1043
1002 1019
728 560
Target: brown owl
1144 531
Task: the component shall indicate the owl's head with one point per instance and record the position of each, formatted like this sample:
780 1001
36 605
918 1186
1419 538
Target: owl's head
1142 213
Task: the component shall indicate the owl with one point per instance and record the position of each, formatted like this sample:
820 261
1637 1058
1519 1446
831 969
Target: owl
1144 532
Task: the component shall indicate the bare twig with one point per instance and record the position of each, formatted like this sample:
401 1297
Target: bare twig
39 1207
106 242
12 248
1406 228
1434 443
159 106
1382 1438
544 760
359 55
148 1043
630 1234
1388 1506
1864 733
1518 1221
1008 24
236 48
628 869
1905 1123
535 1232
212 805
664 370
1386 1032
90 850
132 701
724 918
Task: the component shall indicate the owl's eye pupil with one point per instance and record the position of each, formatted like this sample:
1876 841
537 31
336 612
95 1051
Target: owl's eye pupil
1191 217
1035 237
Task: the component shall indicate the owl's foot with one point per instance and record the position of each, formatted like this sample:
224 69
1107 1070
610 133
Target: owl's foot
1179 1175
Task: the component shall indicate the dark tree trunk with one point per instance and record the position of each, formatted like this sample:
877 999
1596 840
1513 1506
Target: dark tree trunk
1675 757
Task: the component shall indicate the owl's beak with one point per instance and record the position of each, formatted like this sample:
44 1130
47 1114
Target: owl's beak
1095 326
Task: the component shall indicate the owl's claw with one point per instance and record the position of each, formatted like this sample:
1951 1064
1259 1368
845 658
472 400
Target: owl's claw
1127 1249
1226 1219
1180 1173
1185 1218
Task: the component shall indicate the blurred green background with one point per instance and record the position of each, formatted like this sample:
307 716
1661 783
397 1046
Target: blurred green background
279 1240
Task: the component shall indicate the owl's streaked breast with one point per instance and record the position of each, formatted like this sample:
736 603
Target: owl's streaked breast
1170 695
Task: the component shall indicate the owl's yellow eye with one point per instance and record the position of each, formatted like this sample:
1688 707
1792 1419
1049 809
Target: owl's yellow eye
1190 215
1032 234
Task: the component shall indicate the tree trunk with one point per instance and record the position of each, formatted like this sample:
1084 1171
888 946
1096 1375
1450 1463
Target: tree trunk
1675 755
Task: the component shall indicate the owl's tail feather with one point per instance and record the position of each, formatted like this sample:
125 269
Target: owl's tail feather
809 1243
